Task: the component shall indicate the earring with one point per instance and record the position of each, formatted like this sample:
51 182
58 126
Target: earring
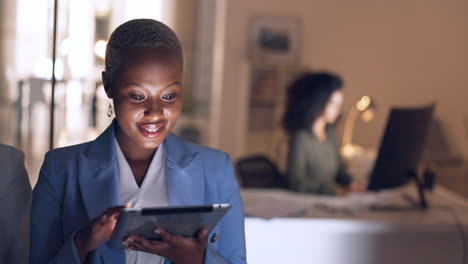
109 110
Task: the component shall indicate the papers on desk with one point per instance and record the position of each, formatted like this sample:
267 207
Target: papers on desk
358 202
270 209
282 203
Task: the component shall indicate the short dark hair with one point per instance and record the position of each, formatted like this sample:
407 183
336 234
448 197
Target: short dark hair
307 97
138 33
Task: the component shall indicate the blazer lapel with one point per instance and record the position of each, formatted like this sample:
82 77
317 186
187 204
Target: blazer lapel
184 173
98 175
98 179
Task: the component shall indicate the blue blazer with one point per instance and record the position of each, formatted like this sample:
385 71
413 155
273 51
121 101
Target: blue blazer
78 183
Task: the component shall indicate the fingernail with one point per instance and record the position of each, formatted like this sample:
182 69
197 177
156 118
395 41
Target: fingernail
128 205
157 231
125 244
129 240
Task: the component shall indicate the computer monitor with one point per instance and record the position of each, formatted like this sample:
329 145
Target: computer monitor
401 148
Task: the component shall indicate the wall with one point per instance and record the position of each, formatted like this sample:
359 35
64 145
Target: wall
7 11
399 52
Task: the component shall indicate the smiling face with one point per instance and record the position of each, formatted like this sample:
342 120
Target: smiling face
147 95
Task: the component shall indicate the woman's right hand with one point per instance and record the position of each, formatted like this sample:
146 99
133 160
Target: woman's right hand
97 232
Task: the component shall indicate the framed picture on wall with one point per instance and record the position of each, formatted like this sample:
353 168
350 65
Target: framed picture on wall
274 40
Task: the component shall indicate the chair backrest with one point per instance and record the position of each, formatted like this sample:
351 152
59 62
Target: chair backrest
260 172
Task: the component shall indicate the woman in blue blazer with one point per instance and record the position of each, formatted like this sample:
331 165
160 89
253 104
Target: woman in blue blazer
79 193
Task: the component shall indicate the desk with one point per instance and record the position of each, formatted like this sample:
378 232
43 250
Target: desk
344 230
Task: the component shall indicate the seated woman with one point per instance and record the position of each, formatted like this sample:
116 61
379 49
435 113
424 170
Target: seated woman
81 189
314 164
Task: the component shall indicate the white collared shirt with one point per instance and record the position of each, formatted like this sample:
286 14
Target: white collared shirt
151 193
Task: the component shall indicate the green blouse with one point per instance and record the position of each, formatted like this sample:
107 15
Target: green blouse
315 166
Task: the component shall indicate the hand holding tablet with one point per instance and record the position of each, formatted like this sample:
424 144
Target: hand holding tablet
176 248
182 220
97 232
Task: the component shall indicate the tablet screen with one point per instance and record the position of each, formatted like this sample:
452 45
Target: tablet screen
180 220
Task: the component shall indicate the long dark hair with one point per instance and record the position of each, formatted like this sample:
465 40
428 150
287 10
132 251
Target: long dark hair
307 97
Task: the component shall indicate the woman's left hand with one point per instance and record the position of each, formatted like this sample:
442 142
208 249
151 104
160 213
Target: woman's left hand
178 249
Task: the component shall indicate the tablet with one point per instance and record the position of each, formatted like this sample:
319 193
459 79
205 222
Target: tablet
180 220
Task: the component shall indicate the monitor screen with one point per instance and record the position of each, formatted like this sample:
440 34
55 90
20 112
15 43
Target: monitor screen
402 146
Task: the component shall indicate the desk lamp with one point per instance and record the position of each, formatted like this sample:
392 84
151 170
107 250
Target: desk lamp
364 108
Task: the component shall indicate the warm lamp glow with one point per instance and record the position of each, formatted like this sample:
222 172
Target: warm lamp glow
368 115
363 109
100 48
363 103
350 150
